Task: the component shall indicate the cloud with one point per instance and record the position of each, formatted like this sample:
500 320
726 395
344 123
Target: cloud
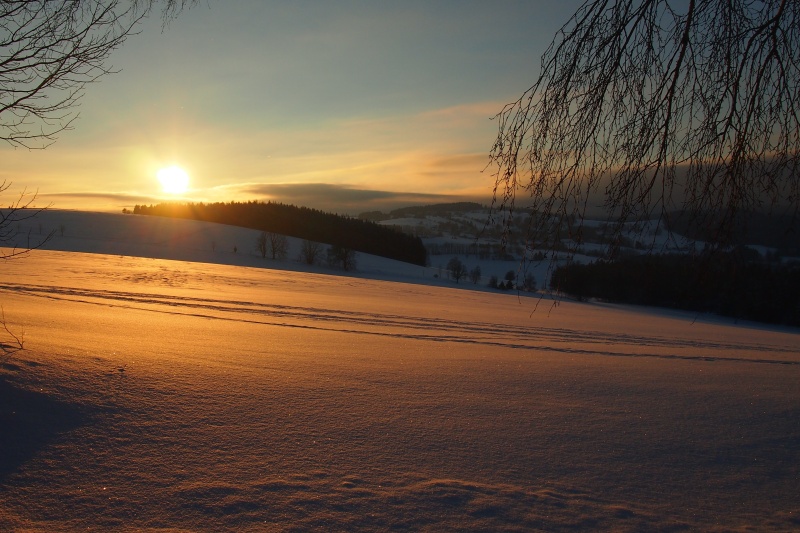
117 197
100 201
462 113
345 198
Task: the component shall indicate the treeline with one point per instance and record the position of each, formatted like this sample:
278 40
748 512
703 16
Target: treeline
303 223
726 284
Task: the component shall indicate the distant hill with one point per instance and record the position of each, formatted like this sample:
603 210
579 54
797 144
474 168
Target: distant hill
441 225
423 211
301 222
781 232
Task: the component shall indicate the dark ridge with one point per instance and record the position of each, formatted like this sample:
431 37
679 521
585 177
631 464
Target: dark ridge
737 284
303 223
423 211
778 231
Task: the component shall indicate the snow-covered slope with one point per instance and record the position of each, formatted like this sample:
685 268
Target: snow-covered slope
158 395
187 240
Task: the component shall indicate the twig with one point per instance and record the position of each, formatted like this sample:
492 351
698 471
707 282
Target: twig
19 340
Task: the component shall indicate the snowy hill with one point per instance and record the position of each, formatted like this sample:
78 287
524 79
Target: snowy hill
190 240
448 231
159 395
469 231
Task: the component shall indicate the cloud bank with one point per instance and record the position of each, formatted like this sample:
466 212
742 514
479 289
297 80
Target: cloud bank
347 199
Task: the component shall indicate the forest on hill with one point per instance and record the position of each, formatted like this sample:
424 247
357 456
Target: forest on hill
303 223
737 284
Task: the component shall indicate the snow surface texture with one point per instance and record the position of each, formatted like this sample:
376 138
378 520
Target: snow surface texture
171 396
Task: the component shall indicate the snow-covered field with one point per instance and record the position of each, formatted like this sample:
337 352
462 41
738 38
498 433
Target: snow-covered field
162 395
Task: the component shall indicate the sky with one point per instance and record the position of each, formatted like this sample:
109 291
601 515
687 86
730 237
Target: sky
346 106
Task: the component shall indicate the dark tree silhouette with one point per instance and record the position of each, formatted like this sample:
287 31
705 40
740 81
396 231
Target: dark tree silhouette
273 244
475 275
457 269
278 245
745 287
310 252
261 244
342 257
646 107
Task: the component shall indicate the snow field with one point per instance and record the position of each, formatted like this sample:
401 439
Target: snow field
181 396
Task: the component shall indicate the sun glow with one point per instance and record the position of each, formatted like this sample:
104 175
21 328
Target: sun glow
174 180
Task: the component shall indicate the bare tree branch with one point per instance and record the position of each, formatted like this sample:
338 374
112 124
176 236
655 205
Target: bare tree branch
14 241
642 109
17 342
50 50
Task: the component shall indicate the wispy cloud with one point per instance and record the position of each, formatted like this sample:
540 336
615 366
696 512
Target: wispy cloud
94 201
344 198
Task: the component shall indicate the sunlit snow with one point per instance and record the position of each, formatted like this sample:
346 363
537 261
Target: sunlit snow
177 395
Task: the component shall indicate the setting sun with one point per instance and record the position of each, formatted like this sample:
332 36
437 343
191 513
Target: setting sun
174 180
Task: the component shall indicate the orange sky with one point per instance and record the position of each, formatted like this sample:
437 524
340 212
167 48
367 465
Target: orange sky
345 108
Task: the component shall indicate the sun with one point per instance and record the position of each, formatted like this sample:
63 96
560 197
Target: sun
174 180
